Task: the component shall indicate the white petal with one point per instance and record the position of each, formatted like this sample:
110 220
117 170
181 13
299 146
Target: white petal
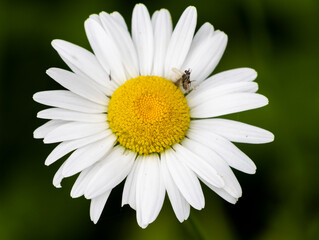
49 126
97 205
180 41
150 191
68 146
113 170
198 165
200 95
230 76
142 34
105 50
199 51
82 61
68 100
69 115
235 131
204 32
205 54
154 18
222 193
119 19
74 130
228 151
96 18
58 177
129 191
107 89
231 186
185 179
124 44
220 42
83 179
86 156
78 84
230 103
162 26
179 204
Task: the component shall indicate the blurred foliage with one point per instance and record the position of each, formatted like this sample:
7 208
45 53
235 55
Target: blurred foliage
278 38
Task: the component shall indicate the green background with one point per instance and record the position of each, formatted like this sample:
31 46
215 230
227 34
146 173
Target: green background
278 38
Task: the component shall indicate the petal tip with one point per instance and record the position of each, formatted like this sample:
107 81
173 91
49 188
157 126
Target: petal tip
88 23
139 6
36 135
271 137
57 42
235 201
46 140
191 8
47 163
35 96
75 193
57 183
49 71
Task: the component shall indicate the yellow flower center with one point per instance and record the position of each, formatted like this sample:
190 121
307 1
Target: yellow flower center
148 114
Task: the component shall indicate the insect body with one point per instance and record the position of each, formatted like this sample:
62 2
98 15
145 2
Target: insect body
185 80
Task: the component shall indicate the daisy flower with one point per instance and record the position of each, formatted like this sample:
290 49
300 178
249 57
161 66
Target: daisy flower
142 107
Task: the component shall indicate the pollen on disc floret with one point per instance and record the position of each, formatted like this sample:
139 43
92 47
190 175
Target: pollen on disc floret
148 114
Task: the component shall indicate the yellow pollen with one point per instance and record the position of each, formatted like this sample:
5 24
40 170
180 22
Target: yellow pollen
148 114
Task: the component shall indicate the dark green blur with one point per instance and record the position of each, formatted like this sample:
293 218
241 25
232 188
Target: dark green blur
278 38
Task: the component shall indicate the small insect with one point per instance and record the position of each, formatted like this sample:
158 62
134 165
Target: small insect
184 80
110 76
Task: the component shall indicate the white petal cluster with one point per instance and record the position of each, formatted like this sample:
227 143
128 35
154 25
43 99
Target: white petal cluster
78 117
